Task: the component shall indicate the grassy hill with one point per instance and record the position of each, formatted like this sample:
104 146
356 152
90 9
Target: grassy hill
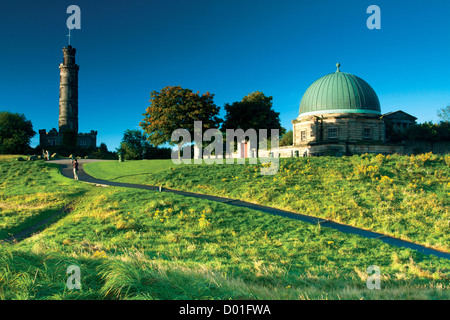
137 244
401 196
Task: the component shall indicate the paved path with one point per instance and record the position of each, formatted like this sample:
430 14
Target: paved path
35 228
67 171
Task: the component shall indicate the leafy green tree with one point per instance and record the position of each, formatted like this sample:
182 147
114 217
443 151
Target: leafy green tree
177 108
287 139
102 153
254 111
428 131
15 133
443 130
103 147
134 144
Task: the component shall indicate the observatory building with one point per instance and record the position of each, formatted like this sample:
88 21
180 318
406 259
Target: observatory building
340 114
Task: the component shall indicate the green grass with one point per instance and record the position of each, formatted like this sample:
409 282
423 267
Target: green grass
10 157
30 192
405 197
137 244
129 170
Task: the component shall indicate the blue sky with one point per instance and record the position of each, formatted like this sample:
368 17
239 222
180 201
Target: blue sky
126 49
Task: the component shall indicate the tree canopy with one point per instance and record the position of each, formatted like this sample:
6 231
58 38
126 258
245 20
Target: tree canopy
428 131
135 146
254 111
287 139
15 133
177 108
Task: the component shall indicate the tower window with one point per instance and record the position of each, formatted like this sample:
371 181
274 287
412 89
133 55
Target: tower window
332 133
366 134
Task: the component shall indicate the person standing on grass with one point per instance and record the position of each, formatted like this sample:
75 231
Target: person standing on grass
75 169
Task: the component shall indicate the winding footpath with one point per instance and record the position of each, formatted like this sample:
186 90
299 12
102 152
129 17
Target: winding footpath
67 171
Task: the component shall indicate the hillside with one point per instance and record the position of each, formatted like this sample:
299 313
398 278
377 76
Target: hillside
137 244
402 196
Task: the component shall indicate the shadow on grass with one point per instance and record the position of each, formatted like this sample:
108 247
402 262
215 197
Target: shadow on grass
39 222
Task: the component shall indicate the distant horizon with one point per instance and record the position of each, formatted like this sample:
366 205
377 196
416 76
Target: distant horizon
126 50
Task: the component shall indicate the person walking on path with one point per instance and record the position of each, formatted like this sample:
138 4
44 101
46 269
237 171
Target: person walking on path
75 169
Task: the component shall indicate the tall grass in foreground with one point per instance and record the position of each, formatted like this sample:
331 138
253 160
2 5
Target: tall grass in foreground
159 246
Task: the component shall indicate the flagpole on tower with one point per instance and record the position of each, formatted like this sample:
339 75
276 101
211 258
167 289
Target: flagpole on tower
69 37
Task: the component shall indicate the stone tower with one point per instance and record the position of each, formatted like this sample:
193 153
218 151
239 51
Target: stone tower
68 91
68 108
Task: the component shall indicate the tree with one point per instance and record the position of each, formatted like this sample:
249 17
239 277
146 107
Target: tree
428 131
177 108
15 133
134 144
103 147
102 153
287 139
444 114
254 111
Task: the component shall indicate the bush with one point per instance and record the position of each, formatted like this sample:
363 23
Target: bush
428 132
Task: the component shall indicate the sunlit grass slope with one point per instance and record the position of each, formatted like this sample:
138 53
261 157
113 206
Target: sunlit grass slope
406 197
30 192
137 244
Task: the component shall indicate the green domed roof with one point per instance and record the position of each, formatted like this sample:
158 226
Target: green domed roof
339 92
